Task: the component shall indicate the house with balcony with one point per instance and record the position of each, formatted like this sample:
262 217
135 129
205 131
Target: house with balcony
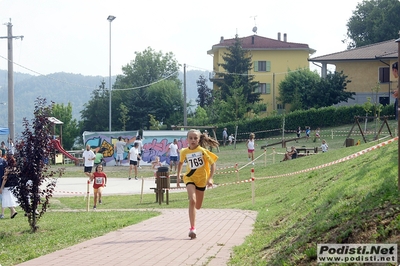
272 61
369 69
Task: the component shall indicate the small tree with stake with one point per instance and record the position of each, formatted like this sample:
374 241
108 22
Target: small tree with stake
36 182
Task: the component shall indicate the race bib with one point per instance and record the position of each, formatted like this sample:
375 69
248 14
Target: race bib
195 160
98 180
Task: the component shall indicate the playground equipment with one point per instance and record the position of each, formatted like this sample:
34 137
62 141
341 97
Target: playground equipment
57 142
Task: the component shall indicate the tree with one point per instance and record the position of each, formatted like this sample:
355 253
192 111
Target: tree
95 112
124 118
157 89
304 89
236 106
70 128
35 182
372 22
204 97
238 63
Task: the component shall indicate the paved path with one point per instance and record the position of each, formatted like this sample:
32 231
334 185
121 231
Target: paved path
161 240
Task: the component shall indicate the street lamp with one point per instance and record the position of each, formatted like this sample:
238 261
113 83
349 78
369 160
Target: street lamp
110 18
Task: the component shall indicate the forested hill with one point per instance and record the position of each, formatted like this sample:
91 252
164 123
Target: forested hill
63 88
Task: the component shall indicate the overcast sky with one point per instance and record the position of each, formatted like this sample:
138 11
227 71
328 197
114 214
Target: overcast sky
73 36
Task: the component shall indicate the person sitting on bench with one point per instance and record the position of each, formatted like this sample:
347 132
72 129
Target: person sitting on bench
292 154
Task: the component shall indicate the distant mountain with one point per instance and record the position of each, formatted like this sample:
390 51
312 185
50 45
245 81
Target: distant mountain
63 88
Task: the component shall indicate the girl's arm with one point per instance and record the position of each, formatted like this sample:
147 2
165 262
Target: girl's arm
178 174
210 178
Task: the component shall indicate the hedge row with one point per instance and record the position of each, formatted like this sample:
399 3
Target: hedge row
322 117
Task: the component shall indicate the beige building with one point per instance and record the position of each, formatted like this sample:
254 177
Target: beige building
272 60
368 68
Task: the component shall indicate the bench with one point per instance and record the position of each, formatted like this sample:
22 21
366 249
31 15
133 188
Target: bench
303 151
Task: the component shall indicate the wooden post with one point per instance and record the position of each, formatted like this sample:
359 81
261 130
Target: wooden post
237 171
273 155
253 193
141 192
265 156
88 196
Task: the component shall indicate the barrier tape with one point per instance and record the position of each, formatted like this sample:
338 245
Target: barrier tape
352 156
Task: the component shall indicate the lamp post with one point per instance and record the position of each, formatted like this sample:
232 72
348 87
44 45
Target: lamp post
110 18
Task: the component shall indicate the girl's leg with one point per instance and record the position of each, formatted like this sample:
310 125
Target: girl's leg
199 198
99 191
191 190
95 198
136 169
252 156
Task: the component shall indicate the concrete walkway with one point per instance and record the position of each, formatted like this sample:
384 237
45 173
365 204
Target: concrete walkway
162 240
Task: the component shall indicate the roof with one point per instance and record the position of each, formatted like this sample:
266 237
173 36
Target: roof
55 120
383 50
255 42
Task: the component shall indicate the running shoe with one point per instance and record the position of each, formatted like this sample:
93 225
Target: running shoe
192 233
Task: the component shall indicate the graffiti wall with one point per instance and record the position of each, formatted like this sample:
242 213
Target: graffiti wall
155 143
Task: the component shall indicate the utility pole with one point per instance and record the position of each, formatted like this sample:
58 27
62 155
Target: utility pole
11 122
398 112
184 96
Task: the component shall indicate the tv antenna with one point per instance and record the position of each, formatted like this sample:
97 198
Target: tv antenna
255 24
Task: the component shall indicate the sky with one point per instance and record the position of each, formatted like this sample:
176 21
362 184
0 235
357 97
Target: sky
73 36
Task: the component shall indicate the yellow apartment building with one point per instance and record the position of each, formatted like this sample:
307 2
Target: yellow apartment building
272 60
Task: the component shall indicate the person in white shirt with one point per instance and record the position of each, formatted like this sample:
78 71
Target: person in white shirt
133 159
140 148
324 146
173 151
119 146
88 159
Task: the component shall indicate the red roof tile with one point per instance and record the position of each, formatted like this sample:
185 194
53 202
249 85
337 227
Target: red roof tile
255 42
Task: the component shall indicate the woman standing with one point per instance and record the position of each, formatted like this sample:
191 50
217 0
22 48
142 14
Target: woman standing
9 182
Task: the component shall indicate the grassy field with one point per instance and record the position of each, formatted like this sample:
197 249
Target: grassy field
355 201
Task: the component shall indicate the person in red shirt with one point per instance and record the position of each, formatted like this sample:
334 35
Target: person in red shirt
100 181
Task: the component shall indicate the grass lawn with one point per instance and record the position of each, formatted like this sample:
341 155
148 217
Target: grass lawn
355 201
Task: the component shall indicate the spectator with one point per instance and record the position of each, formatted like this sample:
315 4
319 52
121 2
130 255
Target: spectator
88 159
133 160
324 146
231 138
224 136
119 146
9 182
155 164
292 154
141 150
173 151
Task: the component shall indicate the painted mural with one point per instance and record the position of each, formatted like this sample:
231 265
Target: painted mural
155 143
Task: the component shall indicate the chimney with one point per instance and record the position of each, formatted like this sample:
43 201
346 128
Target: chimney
279 36
252 39
222 39
285 37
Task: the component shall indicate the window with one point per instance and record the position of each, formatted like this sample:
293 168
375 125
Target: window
384 74
280 106
262 66
264 88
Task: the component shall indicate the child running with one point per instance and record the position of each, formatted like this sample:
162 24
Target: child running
200 168
250 147
100 181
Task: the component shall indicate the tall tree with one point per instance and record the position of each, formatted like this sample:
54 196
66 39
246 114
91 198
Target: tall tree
70 128
372 22
95 112
237 64
147 70
204 97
